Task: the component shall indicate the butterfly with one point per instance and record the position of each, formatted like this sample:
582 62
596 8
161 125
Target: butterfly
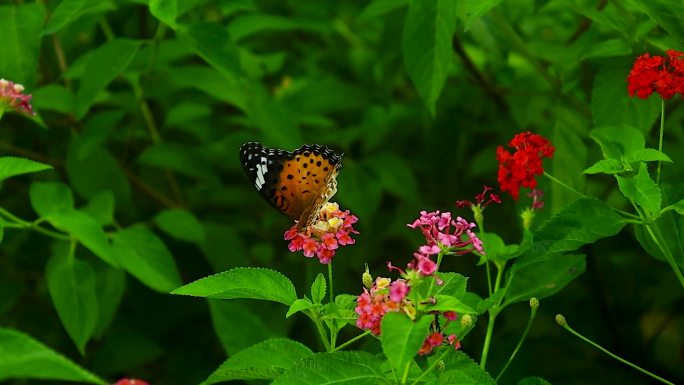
297 183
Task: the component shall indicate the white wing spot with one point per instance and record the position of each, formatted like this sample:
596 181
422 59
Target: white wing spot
261 171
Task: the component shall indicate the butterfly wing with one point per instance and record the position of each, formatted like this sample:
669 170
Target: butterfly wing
296 183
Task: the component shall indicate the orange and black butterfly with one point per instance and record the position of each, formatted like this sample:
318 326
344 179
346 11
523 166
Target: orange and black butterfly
297 183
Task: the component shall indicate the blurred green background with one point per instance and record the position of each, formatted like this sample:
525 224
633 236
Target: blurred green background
155 112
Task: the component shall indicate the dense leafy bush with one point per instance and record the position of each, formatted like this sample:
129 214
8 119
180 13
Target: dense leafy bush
121 184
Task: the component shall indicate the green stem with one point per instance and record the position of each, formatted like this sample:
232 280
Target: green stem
493 311
321 331
429 369
351 341
333 329
599 347
22 224
533 313
660 141
654 232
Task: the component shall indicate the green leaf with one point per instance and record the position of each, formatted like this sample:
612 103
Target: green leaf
377 8
462 370
668 14
266 361
606 166
144 255
353 367
648 155
543 276
679 207
53 97
11 166
299 305
617 142
642 190
71 283
166 11
471 10
582 222
611 105
318 288
47 197
180 224
177 158
608 48
92 169
110 284
401 337
22 357
245 282
533 381
212 43
449 303
229 319
104 64
20 30
69 10
250 24
428 55
453 284
101 208
85 229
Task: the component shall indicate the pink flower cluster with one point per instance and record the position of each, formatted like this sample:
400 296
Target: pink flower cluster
12 95
130 381
442 233
332 229
384 296
390 296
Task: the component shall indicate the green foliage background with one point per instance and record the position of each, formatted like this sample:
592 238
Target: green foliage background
142 107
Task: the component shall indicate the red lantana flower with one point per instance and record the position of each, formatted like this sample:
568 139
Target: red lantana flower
664 75
519 169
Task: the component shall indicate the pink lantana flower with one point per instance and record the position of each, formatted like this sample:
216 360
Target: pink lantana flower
333 228
444 234
130 381
11 95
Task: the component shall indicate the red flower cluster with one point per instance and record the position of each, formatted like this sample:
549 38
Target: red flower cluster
520 168
11 94
437 338
321 239
664 75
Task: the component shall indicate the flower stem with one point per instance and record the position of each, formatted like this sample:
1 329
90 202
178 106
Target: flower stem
333 330
493 311
533 313
660 140
429 369
657 237
351 341
321 331
330 283
599 347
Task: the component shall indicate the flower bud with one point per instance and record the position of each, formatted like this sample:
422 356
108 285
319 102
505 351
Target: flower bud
560 320
527 217
367 278
440 366
467 321
534 303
